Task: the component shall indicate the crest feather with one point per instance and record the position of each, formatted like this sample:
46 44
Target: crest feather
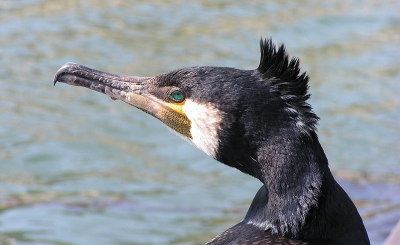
285 78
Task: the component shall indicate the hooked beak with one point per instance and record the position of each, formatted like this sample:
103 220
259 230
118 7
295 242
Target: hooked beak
130 89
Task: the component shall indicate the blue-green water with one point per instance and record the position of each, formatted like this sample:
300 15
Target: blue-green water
77 168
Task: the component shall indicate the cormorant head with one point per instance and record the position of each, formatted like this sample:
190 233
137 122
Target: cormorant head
227 113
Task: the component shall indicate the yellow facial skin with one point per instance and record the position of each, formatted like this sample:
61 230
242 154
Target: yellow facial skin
174 117
198 123
171 114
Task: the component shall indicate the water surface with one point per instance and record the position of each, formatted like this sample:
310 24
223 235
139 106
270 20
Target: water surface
77 168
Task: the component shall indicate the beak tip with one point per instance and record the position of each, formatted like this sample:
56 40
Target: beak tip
60 71
55 79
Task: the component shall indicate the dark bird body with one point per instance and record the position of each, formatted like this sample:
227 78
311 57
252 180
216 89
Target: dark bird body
259 122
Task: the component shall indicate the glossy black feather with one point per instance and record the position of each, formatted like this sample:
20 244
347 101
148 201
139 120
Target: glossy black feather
251 235
268 130
286 79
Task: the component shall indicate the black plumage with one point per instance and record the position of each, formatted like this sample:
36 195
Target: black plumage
259 122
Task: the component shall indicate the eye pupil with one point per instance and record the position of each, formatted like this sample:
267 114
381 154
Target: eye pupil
178 95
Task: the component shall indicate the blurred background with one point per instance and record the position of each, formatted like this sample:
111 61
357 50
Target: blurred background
77 168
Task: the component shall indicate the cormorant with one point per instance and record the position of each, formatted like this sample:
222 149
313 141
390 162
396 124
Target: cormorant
259 122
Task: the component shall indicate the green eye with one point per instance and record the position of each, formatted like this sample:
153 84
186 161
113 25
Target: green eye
177 95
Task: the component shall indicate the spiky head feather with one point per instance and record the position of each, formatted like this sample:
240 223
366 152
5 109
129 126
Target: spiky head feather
287 80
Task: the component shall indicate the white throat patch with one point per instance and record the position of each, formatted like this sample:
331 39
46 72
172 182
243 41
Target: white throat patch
205 122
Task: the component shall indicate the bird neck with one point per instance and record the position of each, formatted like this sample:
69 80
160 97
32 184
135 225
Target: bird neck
293 172
300 198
